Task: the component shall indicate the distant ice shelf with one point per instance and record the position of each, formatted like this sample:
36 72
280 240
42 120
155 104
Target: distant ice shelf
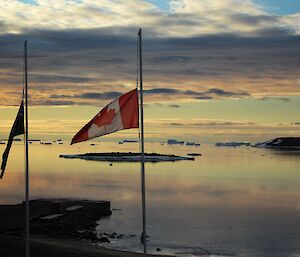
232 144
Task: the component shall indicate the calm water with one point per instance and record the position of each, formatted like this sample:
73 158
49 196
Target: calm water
228 202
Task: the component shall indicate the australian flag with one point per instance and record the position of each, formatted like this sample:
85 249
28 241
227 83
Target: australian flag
16 130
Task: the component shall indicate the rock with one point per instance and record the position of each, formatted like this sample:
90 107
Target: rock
194 154
158 249
75 224
104 239
281 143
89 235
113 235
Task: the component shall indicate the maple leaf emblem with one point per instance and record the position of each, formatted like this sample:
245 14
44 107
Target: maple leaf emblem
105 117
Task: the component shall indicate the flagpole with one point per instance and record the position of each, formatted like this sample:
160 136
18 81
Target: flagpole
26 152
142 145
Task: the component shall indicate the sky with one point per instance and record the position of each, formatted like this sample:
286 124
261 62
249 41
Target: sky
214 70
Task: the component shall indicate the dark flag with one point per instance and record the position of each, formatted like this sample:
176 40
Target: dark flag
16 130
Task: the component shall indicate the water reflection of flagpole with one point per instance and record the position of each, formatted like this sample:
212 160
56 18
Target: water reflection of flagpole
142 144
26 150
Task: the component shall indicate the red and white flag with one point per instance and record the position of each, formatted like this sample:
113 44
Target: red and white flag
120 114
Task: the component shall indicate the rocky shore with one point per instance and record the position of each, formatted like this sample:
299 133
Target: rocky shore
71 219
43 246
60 228
281 143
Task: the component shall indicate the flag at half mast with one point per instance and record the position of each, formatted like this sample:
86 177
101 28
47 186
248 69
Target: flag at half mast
16 130
120 114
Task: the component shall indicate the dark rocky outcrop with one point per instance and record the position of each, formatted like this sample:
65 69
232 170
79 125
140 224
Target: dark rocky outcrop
70 219
281 143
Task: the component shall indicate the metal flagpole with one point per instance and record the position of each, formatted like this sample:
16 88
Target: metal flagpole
142 145
26 153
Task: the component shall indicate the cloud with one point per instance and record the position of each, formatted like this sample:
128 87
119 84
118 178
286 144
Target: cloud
174 105
57 102
162 91
272 32
50 78
283 99
203 97
221 92
170 59
89 96
155 92
193 47
176 124
105 96
184 18
254 19
207 123
209 94
62 63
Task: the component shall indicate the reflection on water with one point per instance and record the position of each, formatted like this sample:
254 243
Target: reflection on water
230 201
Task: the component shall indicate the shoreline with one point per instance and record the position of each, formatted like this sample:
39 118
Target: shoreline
14 246
58 227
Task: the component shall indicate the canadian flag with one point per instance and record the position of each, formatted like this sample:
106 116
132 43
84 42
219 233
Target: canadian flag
120 114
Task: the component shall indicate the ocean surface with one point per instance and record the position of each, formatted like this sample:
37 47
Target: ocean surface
228 202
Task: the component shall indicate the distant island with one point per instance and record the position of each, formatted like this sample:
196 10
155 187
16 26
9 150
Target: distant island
176 142
232 144
128 141
126 157
281 143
